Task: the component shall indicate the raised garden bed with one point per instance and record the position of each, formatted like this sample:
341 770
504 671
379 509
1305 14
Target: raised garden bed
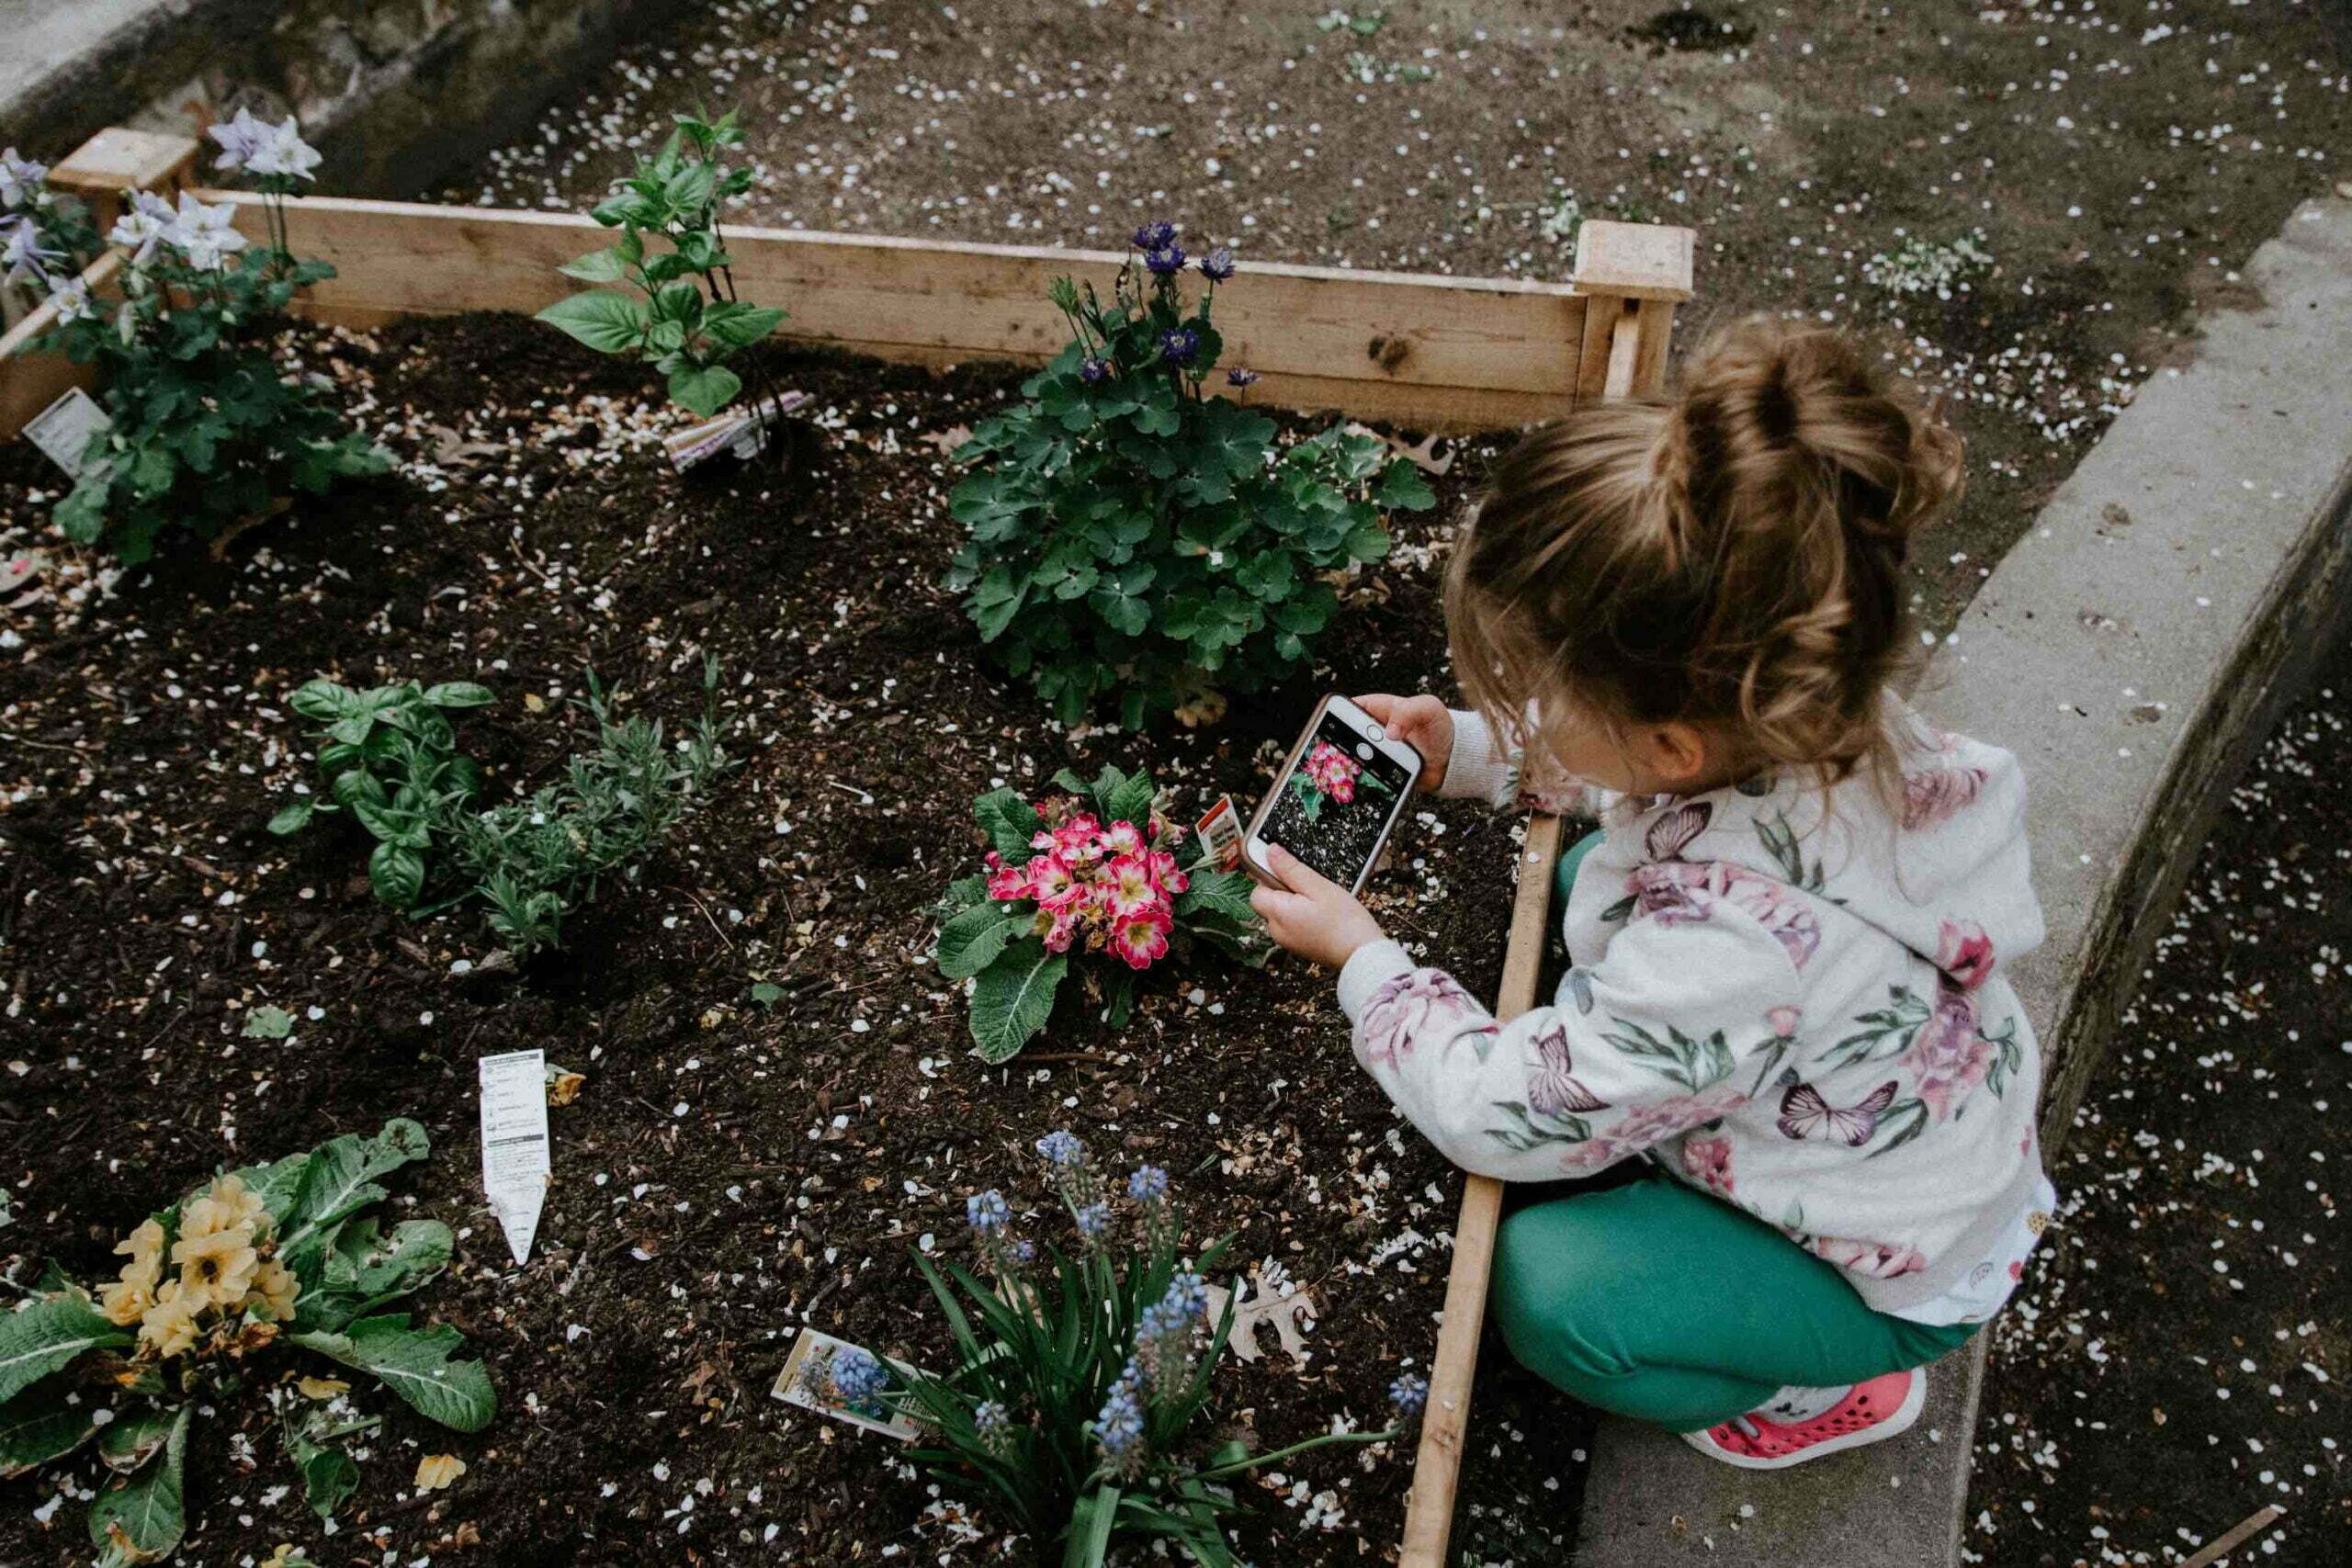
728 1167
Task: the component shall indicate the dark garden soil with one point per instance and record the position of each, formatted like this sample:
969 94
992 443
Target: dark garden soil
2181 1357
729 1171
2114 164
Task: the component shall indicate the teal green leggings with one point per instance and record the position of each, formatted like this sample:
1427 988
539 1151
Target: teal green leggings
1657 1302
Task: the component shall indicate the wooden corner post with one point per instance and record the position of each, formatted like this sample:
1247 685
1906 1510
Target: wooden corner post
1634 273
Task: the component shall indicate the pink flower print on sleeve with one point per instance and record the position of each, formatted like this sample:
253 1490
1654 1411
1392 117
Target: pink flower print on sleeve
1645 1125
1965 954
1950 1058
1871 1259
1935 796
1784 1020
1403 1009
1554 1091
1678 891
1707 1161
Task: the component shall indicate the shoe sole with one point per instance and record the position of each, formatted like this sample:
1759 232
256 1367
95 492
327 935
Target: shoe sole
1894 1425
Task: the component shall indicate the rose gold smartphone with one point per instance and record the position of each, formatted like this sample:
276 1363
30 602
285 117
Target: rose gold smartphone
1337 798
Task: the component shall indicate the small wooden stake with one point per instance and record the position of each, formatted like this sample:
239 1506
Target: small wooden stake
1428 1515
2246 1530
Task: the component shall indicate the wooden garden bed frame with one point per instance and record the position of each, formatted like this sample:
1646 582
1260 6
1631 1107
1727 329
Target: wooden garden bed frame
1434 353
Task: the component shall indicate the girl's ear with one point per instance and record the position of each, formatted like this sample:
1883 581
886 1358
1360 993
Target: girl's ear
1675 755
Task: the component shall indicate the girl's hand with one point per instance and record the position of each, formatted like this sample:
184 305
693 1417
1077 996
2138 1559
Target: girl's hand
1422 723
1311 915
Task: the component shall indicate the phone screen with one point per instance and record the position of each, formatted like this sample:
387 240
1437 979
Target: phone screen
1334 804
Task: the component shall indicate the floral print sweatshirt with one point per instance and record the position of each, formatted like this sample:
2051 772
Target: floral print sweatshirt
1793 1002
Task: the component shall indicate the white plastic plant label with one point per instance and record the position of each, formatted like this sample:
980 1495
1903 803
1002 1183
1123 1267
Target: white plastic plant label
64 430
806 1381
515 1157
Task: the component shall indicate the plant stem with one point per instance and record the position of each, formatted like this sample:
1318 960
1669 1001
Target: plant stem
1328 1437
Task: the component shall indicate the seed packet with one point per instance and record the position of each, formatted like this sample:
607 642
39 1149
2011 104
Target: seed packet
742 432
65 429
805 1381
1220 832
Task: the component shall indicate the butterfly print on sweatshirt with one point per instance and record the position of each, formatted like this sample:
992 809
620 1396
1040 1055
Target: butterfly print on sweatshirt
1806 1114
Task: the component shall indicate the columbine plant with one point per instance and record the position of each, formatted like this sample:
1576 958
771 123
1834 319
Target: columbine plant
1092 871
1079 1380
390 760
1136 539
216 1285
209 431
674 195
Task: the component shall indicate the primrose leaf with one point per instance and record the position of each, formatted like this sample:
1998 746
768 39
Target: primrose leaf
49 1334
1013 998
414 1364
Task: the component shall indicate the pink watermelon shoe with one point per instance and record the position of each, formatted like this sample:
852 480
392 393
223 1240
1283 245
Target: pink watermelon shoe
1870 1412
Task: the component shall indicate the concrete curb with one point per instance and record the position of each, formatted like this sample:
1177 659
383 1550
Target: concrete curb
2133 650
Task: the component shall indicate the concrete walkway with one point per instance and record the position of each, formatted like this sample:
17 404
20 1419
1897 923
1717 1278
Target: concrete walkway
2133 650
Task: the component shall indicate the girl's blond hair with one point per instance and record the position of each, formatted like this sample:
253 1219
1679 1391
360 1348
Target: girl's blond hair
1731 555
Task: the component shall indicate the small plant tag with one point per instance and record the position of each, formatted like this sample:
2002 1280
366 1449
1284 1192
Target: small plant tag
515 1160
64 430
739 433
1220 832
805 1382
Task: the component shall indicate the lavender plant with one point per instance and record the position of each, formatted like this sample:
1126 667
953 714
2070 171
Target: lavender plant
1081 1376
1135 539
209 430
673 196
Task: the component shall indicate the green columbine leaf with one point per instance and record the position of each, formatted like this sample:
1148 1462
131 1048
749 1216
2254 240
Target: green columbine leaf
604 321
1402 488
42 1424
141 1517
339 1180
46 1336
971 941
1013 998
414 1364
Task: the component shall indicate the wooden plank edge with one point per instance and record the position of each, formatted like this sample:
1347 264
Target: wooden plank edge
1437 1467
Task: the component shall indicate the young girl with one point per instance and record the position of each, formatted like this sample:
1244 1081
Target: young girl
1785 942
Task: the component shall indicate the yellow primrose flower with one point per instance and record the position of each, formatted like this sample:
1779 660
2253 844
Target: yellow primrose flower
273 1290
145 1247
228 1204
217 1269
170 1326
125 1301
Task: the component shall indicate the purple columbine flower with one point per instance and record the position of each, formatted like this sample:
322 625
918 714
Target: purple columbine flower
1239 377
1148 1185
987 1213
1409 1393
1217 265
240 139
1061 1147
1155 236
20 180
1179 345
1165 262
1092 369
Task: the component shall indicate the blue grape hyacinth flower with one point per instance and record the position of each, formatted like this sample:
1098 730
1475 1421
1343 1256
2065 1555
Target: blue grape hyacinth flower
1409 1393
1062 1148
1148 1185
987 1213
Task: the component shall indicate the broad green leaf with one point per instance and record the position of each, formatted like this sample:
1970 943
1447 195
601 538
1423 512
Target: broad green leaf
1130 801
397 872
705 389
363 1269
135 1439
460 694
1223 892
414 1364
1368 542
46 1336
294 816
1014 996
323 700
1403 489
1009 823
970 942
140 1518
42 1424
275 1184
340 1177
597 267
738 325
606 322
329 1475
